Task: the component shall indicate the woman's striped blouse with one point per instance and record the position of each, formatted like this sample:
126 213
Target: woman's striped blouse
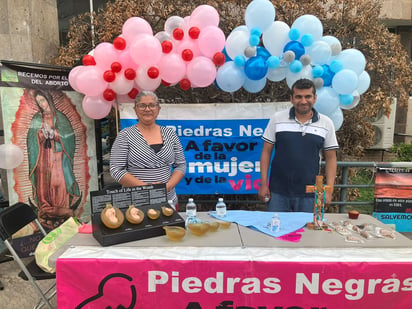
132 154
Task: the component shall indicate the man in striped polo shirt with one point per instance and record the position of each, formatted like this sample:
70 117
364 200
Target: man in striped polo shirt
298 137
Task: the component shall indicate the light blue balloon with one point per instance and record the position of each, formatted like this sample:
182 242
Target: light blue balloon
256 31
317 71
295 66
337 118
335 66
309 24
355 100
319 52
294 34
307 40
364 82
273 62
327 100
254 86
345 81
345 99
334 43
254 40
352 59
260 14
229 77
240 61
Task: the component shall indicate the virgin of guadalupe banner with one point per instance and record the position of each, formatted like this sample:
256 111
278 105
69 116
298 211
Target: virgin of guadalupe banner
43 116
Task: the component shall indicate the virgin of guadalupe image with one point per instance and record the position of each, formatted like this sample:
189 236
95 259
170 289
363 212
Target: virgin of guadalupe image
51 145
54 177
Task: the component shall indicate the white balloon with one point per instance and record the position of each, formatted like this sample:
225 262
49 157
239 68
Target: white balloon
276 37
121 85
355 102
145 82
236 43
172 23
278 74
11 156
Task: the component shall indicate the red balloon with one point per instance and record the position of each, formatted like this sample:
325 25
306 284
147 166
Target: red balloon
116 67
167 47
219 58
185 84
133 93
164 83
153 72
194 32
119 43
187 55
130 74
88 60
178 34
109 95
109 76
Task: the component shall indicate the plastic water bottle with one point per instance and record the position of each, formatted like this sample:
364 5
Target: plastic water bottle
220 208
190 208
275 224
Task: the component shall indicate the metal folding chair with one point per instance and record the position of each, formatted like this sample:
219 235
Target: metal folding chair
12 219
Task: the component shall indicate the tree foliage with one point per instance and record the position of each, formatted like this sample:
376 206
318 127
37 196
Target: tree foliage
354 22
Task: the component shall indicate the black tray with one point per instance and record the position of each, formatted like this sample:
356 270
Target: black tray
129 232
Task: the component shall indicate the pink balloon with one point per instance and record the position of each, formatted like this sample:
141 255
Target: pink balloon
144 82
201 71
135 26
105 54
211 40
90 81
121 85
172 68
203 16
73 77
187 43
122 98
126 60
96 107
146 50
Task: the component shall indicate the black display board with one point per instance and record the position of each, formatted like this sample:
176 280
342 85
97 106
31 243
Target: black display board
142 197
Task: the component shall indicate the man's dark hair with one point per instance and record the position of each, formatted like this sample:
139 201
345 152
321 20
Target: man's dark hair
303 83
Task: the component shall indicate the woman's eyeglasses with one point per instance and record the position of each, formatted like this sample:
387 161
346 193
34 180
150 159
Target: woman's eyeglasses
142 106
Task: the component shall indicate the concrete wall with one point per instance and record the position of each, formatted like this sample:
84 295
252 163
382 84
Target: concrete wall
400 10
29 30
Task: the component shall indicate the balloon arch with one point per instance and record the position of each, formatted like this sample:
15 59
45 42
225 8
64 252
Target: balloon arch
193 51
